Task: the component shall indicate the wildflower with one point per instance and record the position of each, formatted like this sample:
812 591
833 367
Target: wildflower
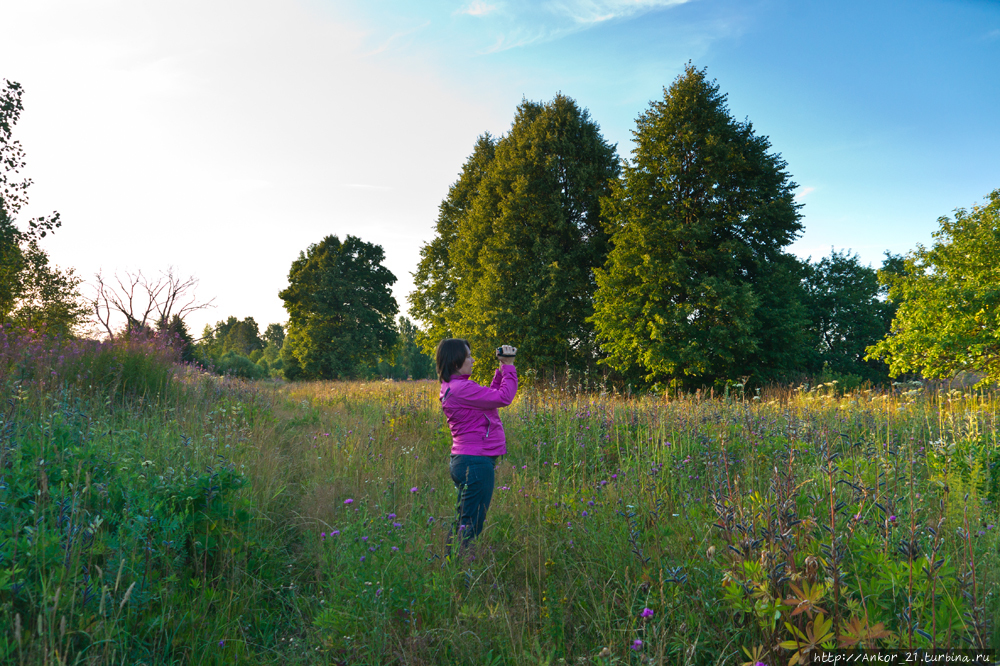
362 558
322 535
637 644
584 514
397 524
348 501
391 516
604 653
371 548
614 476
364 538
222 643
394 548
590 503
646 613
335 533
413 489
524 467
892 519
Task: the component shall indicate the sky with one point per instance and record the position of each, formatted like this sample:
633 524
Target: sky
221 138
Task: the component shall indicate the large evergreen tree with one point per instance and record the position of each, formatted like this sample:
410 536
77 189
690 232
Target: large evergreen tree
519 237
697 286
340 310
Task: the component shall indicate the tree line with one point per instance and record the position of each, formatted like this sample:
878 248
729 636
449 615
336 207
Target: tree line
667 269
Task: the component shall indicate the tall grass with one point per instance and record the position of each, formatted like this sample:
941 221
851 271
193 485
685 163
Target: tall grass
210 521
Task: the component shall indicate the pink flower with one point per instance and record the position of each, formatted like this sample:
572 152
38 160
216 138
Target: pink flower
413 489
348 501
646 612
637 644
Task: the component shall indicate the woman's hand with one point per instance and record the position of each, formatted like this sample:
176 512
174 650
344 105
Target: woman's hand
506 354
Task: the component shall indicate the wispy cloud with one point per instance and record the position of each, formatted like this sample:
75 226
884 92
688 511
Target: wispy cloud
477 8
804 192
589 12
529 22
390 41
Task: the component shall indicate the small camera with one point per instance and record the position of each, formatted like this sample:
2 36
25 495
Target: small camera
501 354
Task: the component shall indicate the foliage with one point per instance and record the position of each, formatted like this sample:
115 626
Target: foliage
847 313
340 310
518 238
275 334
33 292
697 286
948 298
176 328
407 360
242 337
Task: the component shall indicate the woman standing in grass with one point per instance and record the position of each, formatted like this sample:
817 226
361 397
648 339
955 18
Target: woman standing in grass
477 436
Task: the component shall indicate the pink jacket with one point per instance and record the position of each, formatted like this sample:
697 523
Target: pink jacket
472 414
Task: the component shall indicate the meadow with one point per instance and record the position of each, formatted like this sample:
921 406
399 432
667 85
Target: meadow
151 513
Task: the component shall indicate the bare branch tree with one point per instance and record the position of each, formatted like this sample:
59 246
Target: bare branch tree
144 302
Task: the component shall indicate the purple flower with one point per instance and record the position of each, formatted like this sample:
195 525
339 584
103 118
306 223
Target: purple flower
362 558
636 644
413 489
322 535
222 643
590 503
584 514
348 501
397 524
378 592
371 548
391 516
760 663
892 519
335 533
364 538
614 476
646 612
394 549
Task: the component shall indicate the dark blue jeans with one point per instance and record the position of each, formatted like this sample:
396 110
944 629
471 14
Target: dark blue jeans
473 477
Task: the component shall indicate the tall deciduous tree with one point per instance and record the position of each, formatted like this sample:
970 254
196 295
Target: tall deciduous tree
518 239
340 310
948 297
697 286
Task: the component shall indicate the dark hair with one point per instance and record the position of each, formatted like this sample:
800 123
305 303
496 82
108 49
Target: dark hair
450 355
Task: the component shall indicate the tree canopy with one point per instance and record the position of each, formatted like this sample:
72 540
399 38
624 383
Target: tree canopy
847 312
340 310
948 298
518 237
697 285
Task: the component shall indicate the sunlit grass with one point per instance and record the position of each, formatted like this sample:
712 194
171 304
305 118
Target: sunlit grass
215 521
